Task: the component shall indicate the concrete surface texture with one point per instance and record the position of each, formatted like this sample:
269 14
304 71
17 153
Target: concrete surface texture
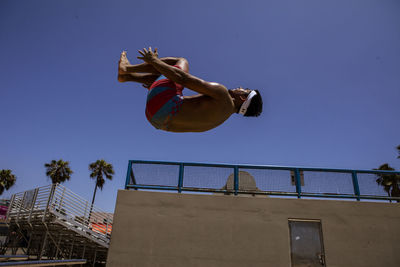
168 229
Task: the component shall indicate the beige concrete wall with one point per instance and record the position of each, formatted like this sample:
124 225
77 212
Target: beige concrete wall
167 229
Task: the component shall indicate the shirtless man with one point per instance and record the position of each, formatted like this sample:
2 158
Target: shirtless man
167 109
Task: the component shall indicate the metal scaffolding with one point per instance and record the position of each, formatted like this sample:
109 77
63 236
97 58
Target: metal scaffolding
53 223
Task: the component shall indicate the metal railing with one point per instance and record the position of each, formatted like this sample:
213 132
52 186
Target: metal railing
56 200
287 181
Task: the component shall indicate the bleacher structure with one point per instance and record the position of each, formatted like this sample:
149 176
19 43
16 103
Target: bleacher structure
51 225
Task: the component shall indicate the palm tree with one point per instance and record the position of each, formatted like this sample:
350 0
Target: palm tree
99 169
390 182
7 180
398 150
58 171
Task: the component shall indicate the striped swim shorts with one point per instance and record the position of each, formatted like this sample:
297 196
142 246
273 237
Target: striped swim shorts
164 100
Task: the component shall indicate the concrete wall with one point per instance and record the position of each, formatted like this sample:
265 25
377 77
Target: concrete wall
167 229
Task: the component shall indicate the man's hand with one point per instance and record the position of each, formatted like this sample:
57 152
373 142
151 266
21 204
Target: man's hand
148 56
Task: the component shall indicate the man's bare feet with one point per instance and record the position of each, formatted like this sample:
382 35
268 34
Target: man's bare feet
122 64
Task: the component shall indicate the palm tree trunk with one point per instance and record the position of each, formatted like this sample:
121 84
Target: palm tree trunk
94 194
91 206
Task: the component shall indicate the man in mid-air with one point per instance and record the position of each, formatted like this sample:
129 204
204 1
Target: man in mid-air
167 109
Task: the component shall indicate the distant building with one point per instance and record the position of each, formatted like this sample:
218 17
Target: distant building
101 222
246 183
3 209
3 226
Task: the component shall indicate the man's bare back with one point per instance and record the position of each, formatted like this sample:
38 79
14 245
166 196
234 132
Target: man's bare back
173 112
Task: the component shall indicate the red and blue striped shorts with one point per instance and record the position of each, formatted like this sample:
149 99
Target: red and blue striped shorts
164 100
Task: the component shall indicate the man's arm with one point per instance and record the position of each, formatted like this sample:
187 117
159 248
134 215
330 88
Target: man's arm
187 80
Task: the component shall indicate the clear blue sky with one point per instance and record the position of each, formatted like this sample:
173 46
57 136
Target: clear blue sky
329 73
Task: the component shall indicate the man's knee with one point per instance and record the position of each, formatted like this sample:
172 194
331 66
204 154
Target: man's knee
183 63
182 59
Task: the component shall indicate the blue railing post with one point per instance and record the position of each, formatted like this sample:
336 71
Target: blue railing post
180 180
298 182
355 185
128 174
236 180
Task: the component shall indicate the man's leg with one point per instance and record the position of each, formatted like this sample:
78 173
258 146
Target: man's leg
146 67
183 64
145 73
147 79
125 66
123 76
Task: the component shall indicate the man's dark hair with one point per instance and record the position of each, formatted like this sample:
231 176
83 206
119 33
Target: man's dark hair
255 107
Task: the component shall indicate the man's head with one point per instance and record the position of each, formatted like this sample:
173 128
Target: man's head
249 102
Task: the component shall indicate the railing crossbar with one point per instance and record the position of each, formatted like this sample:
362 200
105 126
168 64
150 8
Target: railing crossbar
298 176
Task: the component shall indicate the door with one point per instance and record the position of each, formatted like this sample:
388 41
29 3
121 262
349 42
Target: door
306 243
